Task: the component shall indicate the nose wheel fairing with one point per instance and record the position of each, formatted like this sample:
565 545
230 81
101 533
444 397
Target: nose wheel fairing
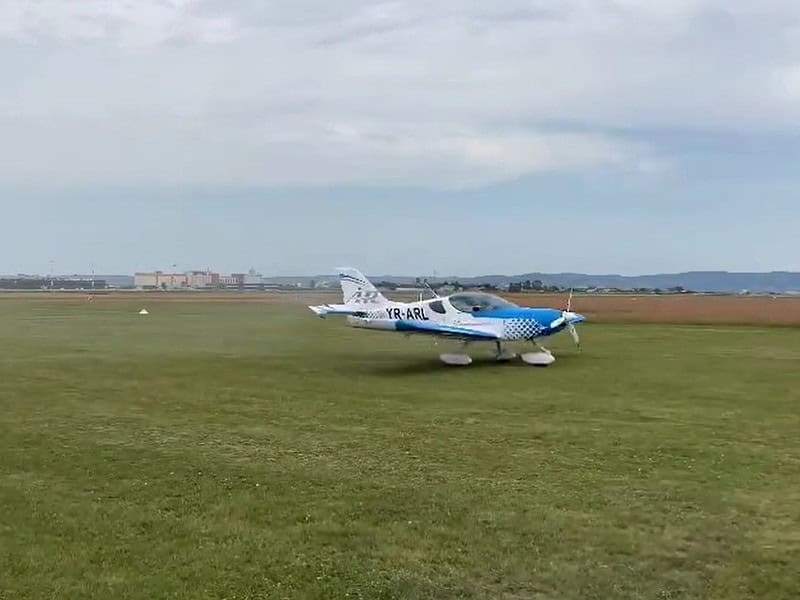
538 359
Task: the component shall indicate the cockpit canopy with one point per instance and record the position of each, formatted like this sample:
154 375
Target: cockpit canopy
476 302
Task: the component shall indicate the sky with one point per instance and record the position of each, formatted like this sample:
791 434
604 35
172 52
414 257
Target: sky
451 137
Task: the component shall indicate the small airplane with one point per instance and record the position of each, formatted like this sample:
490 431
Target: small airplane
465 316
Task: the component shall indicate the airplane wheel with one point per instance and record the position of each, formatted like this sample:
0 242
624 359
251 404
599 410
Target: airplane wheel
455 359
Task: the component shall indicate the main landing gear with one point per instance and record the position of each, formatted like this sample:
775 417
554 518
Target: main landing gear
503 354
542 358
457 359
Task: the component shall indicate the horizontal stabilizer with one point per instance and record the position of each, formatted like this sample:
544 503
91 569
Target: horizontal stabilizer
324 310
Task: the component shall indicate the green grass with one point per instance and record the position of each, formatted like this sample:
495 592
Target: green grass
252 451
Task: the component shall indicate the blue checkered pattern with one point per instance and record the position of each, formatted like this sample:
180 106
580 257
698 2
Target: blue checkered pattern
521 329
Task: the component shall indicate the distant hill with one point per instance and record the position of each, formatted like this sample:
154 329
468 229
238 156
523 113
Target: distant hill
698 281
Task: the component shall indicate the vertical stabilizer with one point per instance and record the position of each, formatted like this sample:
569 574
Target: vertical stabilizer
357 289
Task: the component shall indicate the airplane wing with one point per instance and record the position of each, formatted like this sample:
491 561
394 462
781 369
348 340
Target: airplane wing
357 316
465 333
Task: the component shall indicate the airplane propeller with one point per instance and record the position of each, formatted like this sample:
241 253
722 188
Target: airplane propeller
566 315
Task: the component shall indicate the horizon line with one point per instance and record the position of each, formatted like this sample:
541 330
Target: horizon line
422 276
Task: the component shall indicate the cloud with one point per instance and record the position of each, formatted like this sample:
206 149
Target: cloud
300 152
127 23
445 93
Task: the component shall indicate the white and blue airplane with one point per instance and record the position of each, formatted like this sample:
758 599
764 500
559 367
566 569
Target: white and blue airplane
465 316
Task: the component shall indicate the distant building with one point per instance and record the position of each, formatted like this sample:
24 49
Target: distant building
199 280
161 280
203 279
172 281
233 281
56 283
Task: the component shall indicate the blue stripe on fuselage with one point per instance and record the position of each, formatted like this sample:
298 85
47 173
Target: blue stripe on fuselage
440 329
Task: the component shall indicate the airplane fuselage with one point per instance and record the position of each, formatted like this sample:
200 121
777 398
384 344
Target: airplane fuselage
483 315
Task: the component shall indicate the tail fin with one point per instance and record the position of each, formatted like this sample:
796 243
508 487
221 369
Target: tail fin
357 289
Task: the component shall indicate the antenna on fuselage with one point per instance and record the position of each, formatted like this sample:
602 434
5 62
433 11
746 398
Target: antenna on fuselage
430 289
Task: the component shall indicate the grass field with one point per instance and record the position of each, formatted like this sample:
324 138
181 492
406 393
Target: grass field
217 450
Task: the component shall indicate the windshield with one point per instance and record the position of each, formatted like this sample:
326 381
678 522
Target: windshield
472 302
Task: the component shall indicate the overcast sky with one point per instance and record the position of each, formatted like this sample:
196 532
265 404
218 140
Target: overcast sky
407 137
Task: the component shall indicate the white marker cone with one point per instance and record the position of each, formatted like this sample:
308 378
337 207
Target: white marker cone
144 312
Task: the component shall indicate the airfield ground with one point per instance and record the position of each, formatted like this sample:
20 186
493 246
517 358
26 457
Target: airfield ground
612 308
238 447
